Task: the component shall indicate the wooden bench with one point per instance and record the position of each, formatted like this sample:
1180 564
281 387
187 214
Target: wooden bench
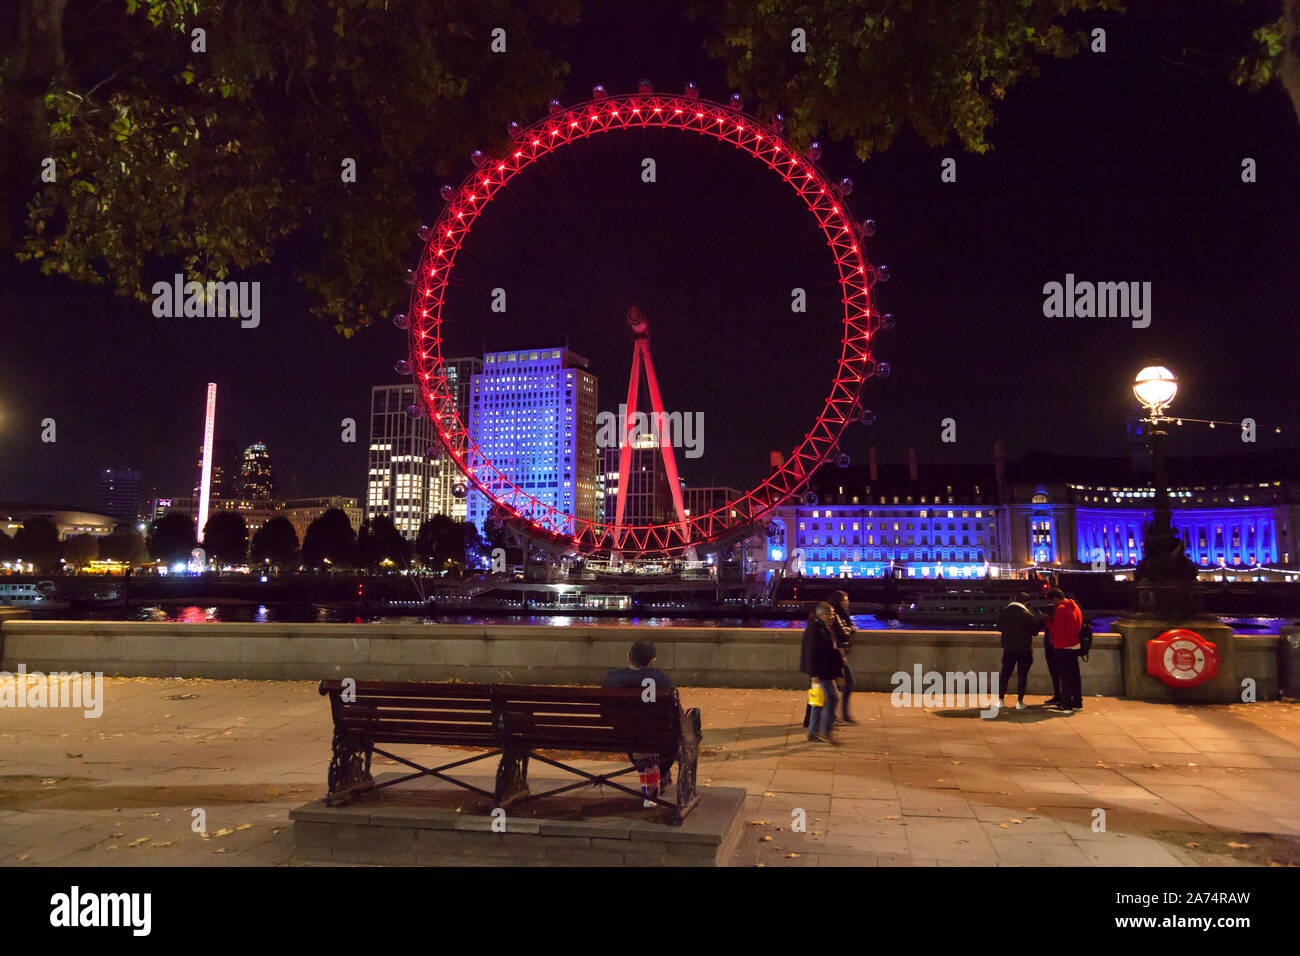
510 720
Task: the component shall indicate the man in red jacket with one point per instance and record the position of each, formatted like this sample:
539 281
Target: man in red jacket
1063 626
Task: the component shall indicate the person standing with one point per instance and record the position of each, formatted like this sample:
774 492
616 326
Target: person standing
1064 625
821 659
1049 654
844 631
1018 625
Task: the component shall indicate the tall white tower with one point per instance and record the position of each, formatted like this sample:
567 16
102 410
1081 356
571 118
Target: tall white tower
205 480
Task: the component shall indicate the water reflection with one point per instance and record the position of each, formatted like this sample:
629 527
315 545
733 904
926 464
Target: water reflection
308 613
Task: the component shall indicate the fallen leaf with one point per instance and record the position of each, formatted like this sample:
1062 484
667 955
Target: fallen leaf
1191 845
895 817
49 780
72 755
1015 820
1005 826
765 839
244 826
139 841
111 846
792 856
222 850
1239 846
22 856
164 843
224 832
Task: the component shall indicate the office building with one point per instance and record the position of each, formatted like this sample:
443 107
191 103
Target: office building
532 414
119 493
649 498
256 480
446 476
301 512
402 463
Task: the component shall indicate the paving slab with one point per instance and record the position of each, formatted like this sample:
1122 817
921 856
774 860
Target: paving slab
207 772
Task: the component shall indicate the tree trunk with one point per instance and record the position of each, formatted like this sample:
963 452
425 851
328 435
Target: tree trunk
1289 72
37 61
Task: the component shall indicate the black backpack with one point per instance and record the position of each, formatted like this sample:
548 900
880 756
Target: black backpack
1085 640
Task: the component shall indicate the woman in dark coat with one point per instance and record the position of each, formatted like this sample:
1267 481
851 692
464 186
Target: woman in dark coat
821 659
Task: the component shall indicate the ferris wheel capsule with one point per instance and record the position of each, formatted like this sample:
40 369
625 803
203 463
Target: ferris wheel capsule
554 106
814 151
459 490
868 417
424 232
810 498
645 86
514 130
446 192
478 157
692 91
843 461
883 370
401 320
415 410
736 102
409 277
402 367
598 91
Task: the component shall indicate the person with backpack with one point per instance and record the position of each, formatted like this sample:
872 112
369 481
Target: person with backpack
1064 626
1017 625
821 660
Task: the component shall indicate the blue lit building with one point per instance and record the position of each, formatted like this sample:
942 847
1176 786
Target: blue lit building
1072 513
863 521
532 413
1239 511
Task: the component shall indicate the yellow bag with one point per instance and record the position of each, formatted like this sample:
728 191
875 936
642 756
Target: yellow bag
816 694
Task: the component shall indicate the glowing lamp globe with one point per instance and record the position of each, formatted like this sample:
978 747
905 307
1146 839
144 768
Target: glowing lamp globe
1155 387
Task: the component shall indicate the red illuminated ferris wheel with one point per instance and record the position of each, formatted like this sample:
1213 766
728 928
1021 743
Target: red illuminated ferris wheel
689 115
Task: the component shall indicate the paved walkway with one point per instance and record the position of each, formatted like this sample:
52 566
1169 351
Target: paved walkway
1178 785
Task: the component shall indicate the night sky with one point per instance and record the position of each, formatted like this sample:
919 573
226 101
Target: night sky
1120 166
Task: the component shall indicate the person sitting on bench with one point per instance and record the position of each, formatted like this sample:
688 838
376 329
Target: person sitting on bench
653 769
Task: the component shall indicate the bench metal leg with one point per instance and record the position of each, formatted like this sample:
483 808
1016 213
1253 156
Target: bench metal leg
512 775
688 757
349 771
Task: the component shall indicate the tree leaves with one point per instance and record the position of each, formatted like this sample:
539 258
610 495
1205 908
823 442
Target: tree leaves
219 162
872 67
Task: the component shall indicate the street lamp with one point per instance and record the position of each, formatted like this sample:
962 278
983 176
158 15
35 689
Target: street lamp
1155 387
1165 574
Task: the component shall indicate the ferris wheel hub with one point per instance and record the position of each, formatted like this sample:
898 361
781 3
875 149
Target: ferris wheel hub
637 321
